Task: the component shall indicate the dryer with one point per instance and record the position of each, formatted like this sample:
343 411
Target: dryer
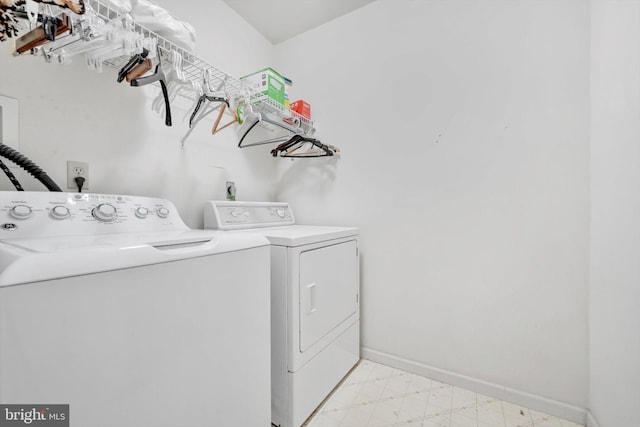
315 310
111 304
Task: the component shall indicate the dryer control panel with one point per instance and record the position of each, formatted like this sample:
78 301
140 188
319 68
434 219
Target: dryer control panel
39 214
226 215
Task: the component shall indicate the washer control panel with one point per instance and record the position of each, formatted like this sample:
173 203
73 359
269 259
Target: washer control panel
226 215
34 213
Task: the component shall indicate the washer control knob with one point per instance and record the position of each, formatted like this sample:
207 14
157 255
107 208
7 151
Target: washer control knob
60 212
21 212
236 214
142 212
280 212
105 212
162 212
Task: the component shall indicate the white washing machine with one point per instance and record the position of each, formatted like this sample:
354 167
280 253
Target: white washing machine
111 304
315 310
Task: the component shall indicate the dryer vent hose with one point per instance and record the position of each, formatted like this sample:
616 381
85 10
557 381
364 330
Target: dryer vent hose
29 166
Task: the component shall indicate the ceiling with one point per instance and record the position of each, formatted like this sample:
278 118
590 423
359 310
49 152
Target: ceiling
279 20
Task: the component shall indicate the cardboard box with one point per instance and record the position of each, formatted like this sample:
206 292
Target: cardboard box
302 107
268 82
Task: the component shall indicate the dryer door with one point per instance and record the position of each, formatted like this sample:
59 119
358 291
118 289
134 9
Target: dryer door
328 290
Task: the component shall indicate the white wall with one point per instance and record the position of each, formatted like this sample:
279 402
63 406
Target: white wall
71 113
464 128
615 205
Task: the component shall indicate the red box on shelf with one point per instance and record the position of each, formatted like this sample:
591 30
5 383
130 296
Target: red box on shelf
302 107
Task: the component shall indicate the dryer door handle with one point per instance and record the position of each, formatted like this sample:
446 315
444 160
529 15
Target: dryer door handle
311 298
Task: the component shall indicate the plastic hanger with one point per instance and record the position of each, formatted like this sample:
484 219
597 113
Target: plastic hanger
212 95
202 99
248 120
121 41
203 113
92 31
157 76
177 83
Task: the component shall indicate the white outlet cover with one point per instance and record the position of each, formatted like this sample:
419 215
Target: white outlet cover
71 165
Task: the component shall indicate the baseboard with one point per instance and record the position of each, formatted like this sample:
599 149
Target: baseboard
517 397
591 421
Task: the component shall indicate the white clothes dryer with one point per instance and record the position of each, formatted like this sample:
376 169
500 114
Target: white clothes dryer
315 310
111 304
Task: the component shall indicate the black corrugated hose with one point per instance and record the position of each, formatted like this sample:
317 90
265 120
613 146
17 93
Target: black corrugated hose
11 176
29 166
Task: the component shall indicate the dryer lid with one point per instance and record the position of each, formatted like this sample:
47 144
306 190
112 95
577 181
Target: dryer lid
300 235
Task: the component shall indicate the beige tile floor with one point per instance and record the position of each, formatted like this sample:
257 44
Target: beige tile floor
374 395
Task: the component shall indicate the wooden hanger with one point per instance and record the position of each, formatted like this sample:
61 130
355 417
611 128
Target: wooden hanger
216 126
139 70
133 62
51 28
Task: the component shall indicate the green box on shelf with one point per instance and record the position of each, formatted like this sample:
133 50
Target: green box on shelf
268 82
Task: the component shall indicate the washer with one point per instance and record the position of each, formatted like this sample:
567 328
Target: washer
315 315
111 304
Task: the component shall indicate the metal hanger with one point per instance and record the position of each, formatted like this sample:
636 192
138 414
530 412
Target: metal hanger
249 119
291 148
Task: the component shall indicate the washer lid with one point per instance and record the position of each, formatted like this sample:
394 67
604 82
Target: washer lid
299 235
33 260
110 241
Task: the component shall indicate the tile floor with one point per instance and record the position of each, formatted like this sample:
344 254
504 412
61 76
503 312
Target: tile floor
375 395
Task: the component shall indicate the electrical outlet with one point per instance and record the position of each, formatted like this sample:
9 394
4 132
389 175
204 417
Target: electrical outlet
231 190
75 169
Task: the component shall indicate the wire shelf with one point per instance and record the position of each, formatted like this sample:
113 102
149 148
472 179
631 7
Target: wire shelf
194 70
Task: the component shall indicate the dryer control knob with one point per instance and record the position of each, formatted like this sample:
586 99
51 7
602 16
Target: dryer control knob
105 212
162 212
280 212
142 212
21 212
60 212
